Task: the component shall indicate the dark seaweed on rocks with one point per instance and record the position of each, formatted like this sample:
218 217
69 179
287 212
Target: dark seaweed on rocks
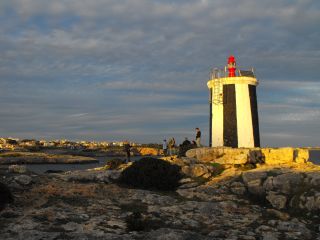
152 173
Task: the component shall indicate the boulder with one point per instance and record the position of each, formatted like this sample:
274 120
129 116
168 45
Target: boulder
253 175
309 201
281 215
301 155
256 156
148 151
17 169
238 188
255 187
195 170
313 178
221 155
278 201
287 183
23 180
268 184
276 156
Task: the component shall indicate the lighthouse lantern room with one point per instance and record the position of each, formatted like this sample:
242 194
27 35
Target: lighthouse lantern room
233 107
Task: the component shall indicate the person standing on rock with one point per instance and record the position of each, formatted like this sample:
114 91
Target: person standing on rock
127 148
172 143
165 147
198 137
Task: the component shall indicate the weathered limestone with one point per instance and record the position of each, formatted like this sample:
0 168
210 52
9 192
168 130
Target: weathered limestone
277 201
301 155
220 155
273 156
196 170
23 179
147 151
88 205
239 156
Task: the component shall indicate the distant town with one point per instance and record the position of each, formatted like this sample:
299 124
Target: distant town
10 144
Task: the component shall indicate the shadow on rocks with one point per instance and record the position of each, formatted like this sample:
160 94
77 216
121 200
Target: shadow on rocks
5 196
153 174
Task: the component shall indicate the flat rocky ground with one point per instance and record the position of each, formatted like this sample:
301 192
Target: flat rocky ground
87 205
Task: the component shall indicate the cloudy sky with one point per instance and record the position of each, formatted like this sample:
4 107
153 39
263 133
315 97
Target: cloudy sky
137 69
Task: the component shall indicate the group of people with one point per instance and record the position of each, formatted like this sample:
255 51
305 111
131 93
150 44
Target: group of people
169 147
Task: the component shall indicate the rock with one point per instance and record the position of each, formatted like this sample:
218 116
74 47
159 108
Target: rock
313 178
276 156
281 215
295 227
222 155
256 156
309 201
276 200
38 158
72 227
287 183
255 187
17 169
268 184
238 188
107 176
174 234
189 161
185 180
301 155
189 185
23 180
117 223
253 175
148 151
253 180
195 170
270 236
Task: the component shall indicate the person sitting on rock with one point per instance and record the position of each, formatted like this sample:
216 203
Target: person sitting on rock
186 142
184 147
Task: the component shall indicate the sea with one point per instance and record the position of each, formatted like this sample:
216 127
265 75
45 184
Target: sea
314 156
42 168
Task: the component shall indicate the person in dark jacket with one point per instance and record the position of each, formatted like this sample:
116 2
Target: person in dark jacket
198 137
127 148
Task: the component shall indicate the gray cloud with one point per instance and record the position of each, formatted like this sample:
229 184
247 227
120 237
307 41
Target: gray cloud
101 69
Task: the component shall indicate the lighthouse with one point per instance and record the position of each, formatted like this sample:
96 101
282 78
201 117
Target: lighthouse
233 107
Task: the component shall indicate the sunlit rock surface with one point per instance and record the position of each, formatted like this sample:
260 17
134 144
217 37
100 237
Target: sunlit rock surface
233 156
212 202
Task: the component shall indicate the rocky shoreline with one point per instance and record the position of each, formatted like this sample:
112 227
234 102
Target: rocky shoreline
268 202
42 158
68 156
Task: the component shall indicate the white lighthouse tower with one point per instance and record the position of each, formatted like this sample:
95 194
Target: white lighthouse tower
233 107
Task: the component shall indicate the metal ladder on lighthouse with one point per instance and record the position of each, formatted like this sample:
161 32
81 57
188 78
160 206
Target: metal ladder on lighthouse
217 88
